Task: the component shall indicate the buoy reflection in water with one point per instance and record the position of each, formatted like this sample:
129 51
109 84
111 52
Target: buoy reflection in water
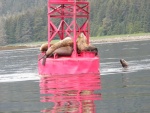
70 93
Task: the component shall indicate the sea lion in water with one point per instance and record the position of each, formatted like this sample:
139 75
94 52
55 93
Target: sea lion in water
124 63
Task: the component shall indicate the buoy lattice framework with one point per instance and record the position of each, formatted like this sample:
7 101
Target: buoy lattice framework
68 13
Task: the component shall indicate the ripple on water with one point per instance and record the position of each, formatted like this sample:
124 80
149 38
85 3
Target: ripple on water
18 77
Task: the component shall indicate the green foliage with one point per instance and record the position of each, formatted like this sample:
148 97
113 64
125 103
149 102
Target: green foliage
26 20
111 17
27 27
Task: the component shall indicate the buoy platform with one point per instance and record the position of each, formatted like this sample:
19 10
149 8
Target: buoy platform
87 62
69 18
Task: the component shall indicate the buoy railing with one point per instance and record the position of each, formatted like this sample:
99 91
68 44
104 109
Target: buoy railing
69 18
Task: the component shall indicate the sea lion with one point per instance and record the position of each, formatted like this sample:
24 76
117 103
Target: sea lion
62 43
44 47
82 44
124 63
62 51
58 45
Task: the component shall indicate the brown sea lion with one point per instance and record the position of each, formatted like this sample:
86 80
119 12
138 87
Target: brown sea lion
51 50
124 63
82 44
44 47
62 51
62 43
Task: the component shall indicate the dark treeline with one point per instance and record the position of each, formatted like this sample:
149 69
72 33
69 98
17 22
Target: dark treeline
111 17
26 20
26 27
10 7
22 21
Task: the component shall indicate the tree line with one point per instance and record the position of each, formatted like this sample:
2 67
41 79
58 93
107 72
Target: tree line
111 17
108 17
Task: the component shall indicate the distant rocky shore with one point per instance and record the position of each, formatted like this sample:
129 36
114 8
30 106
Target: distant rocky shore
121 39
15 47
100 41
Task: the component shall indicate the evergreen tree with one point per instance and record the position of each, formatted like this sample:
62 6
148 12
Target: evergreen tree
26 20
3 38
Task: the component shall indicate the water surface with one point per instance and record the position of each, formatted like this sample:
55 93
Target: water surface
123 90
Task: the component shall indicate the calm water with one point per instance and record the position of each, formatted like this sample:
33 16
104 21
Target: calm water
123 90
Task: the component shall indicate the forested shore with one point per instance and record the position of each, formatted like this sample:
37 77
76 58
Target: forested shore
24 21
94 40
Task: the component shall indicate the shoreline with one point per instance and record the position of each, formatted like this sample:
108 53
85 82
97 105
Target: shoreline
16 47
94 41
120 39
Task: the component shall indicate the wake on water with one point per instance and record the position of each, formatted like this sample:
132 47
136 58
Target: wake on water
115 67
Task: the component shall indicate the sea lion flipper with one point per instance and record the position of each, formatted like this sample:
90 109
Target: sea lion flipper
44 60
42 57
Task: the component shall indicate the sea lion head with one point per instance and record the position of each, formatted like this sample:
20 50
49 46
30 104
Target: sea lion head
124 63
83 45
44 47
82 38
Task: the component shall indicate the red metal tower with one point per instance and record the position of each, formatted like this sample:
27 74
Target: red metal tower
68 18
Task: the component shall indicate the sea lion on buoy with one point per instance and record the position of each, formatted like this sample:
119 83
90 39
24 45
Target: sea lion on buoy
82 44
62 51
124 63
62 43
44 47
58 45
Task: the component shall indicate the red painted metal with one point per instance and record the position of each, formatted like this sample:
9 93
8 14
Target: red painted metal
69 18
67 14
69 82
75 92
86 63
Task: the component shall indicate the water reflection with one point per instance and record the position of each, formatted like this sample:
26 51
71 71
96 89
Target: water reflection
70 93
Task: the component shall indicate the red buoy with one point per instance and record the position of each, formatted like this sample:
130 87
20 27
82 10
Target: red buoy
69 18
